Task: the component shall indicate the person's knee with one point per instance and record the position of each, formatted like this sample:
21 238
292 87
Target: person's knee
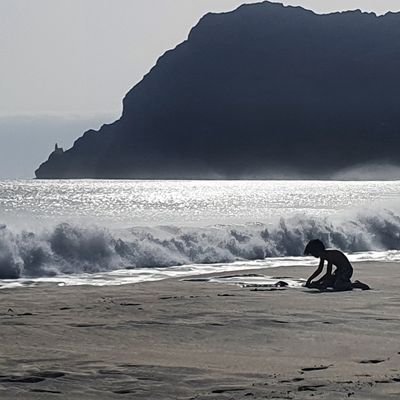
342 285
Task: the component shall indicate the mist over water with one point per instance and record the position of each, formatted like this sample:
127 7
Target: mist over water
58 228
376 172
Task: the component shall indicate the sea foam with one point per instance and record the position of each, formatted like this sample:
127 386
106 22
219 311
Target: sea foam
68 248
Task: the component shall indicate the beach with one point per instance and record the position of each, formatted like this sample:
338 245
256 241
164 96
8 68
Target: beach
158 245
194 339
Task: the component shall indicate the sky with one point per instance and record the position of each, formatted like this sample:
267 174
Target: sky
65 65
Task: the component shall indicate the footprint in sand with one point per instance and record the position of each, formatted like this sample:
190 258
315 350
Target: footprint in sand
87 325
309 388
374 361
110 372
321 367
124 391
50 374
292 380
45 391
226 390
36 377
22 379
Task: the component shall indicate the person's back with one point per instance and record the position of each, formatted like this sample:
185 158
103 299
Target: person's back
339 260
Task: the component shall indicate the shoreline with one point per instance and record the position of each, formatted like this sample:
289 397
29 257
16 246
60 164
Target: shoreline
174 339
122 277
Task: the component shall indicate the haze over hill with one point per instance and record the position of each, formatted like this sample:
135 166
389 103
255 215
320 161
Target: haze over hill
261 92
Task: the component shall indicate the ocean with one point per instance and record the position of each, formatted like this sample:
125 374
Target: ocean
112 232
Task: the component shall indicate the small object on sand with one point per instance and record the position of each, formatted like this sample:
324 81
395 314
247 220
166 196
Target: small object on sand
281 284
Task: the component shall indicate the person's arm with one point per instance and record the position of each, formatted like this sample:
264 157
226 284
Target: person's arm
328 272
316 273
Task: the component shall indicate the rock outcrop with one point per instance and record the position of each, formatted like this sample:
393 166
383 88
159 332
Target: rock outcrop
263 91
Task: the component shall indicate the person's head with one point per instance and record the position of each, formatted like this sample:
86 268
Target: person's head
315 248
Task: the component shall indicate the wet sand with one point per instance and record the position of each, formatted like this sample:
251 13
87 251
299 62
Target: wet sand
197 340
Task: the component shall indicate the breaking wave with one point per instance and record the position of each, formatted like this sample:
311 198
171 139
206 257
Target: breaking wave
73 249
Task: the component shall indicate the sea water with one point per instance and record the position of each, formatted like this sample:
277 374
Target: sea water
103 232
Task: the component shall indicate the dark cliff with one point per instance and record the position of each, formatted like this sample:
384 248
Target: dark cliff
263 91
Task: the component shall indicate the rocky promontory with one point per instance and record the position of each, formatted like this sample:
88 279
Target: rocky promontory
260 92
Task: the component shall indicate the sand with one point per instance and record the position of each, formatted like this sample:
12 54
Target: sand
197 340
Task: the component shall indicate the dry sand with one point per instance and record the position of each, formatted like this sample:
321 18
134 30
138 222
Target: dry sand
198 340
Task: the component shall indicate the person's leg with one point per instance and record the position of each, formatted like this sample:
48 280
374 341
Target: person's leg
360 285
342 284
329 282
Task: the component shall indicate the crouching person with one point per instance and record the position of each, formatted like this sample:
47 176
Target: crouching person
339 280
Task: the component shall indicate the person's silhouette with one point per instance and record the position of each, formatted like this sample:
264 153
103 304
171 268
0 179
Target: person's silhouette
338 280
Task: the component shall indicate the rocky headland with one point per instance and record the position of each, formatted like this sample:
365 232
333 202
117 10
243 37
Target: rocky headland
265 91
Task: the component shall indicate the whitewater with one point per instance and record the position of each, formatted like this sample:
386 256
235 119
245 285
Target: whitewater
101 232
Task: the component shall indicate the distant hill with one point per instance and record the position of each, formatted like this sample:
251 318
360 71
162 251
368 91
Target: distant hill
260 92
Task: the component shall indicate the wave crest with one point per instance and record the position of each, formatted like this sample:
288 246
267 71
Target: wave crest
74 249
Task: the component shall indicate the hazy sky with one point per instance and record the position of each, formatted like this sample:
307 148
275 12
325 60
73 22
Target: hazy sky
75 60
81 56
